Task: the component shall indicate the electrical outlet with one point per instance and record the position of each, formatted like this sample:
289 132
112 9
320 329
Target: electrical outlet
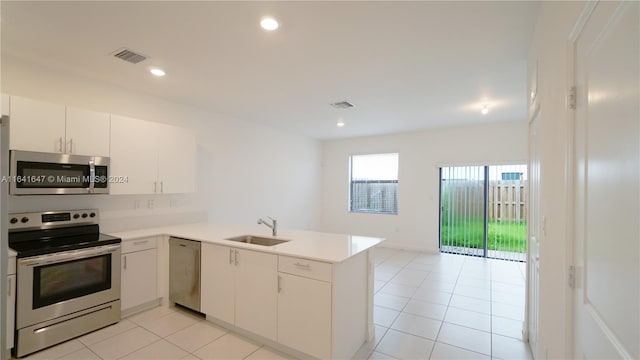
151 204
136 204
173 203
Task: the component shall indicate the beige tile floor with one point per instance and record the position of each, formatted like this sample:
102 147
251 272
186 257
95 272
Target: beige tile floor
427 306
443 306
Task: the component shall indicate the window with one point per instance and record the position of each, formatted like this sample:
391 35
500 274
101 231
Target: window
374 183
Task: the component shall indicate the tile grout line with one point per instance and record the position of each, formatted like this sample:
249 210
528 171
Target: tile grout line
93 352
253 352
446 311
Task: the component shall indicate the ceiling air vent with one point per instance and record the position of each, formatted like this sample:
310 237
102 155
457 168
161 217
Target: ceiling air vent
129 55
342 105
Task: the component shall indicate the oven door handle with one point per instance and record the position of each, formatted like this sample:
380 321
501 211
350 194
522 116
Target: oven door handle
68 255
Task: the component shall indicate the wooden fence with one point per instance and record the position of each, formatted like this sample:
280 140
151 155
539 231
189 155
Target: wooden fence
507 199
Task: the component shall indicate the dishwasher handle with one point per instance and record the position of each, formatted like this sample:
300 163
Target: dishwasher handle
191 244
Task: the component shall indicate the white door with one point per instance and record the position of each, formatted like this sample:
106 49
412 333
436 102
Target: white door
88 132
607 204
533 262
217 283
257 292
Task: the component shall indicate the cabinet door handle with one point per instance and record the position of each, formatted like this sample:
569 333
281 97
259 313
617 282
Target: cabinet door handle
161 186
155 186
125 262
60 145
71 146
236 257
9 287
279 286
304 266
230 256
140 242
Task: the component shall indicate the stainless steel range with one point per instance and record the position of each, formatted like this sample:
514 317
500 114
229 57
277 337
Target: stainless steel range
68 277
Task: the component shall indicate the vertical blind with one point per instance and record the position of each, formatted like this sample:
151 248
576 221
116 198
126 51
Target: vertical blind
483 211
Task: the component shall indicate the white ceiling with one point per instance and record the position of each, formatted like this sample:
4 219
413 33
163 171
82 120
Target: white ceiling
405 65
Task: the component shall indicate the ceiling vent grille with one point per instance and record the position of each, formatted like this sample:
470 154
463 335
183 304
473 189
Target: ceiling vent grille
342 105
129 55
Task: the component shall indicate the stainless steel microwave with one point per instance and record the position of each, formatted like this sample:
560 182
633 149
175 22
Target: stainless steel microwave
38 173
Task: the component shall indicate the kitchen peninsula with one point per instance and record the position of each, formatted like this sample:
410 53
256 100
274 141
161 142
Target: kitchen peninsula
304 296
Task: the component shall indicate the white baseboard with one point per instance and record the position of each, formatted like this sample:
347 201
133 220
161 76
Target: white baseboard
409 247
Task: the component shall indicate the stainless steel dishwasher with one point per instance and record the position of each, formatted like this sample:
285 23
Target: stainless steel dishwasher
184 273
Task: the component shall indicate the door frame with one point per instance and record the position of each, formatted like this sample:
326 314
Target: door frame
570 167
569 170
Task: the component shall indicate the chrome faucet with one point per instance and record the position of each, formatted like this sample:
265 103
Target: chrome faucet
273 226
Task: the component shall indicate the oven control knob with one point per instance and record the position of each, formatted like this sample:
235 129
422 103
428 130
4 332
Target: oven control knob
84 215
13 220
92 215
75 216
24 219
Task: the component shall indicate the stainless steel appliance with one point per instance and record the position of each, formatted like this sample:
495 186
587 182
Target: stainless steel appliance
184 272
68 277
37 173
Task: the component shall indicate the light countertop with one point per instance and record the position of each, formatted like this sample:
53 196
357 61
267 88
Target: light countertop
327 247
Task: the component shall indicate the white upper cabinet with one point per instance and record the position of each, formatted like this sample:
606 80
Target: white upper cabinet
134 155
36 125
176 159
45 127
87 132
155 158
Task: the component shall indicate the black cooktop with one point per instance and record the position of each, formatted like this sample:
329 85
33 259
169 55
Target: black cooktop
48 241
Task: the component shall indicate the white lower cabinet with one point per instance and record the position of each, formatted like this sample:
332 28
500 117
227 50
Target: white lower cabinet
304 315
218 282
239 287
11 309
316 308
139 273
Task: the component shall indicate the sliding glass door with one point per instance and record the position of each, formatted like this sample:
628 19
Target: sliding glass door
483 211
462 204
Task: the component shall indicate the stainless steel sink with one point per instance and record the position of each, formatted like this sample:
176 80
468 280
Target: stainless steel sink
258 240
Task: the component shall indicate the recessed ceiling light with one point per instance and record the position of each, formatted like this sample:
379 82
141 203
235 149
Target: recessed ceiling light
269 23
157 72
340 123
485 110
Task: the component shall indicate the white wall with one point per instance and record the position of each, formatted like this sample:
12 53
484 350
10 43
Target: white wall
420 155
245 171
551 52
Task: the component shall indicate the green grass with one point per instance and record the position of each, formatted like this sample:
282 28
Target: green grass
504 236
